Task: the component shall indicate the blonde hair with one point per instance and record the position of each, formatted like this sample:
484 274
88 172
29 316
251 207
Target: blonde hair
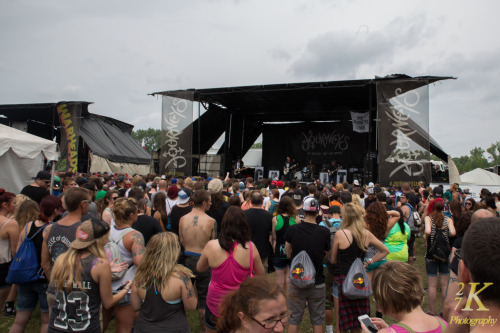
67 269
20 198
27 211
355 200
136 180
352 220
122 209
397 287
160 261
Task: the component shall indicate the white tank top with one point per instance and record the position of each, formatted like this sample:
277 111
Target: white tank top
5 252
126 256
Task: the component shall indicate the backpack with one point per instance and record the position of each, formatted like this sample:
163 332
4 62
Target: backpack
356 283
333 227
25 266
302 271
439 251
113 252
414 221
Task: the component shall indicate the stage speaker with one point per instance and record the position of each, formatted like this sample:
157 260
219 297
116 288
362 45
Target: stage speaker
497 169
341 176
259 173
274 174
323 177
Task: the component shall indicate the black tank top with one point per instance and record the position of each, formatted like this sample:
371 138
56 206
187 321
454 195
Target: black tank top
78 310
159 316
347 256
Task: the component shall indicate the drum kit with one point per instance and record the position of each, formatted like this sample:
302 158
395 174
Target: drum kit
303 175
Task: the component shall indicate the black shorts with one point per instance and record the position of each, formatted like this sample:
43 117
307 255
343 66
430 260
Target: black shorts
4 270
201 280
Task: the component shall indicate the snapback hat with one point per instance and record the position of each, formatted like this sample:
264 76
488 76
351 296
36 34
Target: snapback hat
355 182
241 186
311 205
183 197
88 232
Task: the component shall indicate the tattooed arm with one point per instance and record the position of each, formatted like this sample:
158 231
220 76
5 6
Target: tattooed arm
134 242
188 295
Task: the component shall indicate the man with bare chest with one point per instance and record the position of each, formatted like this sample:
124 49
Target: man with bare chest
195 230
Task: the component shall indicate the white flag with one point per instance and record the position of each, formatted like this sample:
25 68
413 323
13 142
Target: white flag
360 122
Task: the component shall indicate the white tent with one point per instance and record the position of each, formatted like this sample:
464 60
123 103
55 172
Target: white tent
480 177
21 157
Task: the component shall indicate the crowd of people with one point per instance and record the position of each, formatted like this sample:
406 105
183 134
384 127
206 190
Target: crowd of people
145 249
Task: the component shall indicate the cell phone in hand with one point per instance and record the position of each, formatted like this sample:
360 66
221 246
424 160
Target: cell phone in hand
121 287
368 323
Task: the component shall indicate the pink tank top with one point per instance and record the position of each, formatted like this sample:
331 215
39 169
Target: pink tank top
228 276
440 329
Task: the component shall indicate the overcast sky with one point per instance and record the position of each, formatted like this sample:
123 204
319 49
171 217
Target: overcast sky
114 53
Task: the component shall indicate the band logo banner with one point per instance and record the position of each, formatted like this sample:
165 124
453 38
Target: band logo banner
69 118
403 134
360 122
176 136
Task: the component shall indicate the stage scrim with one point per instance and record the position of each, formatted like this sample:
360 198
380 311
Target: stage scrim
176 135
319 142
403 134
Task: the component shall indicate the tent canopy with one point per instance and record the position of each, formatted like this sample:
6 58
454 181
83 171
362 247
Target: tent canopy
21 157
480 177
26 145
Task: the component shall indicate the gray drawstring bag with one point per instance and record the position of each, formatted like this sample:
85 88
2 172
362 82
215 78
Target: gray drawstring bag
356 284
302 271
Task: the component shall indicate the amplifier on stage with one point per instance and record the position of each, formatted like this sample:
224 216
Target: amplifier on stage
341 176
259 173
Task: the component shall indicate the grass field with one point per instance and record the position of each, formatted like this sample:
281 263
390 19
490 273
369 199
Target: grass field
34 324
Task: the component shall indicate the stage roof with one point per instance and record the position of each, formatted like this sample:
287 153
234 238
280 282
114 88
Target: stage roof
311 101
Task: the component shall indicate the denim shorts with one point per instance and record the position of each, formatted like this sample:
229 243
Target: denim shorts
432 268
210 318
29 294
124 301
280 264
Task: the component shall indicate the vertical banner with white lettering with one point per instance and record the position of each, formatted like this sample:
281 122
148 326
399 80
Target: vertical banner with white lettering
176 136
403 132
69 118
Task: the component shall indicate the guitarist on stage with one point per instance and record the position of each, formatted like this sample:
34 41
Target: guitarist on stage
238 166
289 168
332 172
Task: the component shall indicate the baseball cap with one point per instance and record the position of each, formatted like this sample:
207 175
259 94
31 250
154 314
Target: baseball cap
120 179
183 197
215 186
280 184
355 182
241 186
311 205
370 184
89 232
43 175
174 181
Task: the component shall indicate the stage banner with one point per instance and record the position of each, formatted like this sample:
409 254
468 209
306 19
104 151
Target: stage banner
176 135
319 143
403 132
360 122
69 118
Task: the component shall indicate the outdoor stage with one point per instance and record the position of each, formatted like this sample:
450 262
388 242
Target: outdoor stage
378 127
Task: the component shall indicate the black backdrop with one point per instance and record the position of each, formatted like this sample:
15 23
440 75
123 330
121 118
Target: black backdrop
320 142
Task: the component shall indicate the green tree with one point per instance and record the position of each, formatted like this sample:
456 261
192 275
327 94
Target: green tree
494 151
151 136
